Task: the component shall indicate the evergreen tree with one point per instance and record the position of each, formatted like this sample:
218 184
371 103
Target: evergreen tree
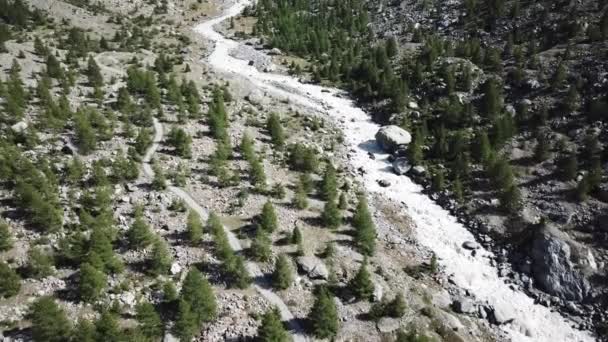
569 167
93 72
261 246
84 331
194 227
331 215
541 151
150 323
391 47
139 233
11 282
92 283
510 199
107 328
40 264
583 188
247 148
159 182
85 133
491 99
300 198
296 236
181 141
396 308
324 315
282 276
49 321
329 184
365 231
361 285
275 128
6 238
272 329
160 259
185 325
268 218
143 141
197 292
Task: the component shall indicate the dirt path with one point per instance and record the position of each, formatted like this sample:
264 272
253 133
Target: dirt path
260 283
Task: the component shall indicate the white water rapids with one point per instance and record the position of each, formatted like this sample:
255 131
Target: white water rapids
435 229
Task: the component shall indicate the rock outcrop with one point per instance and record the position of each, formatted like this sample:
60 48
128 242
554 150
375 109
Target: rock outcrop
553 268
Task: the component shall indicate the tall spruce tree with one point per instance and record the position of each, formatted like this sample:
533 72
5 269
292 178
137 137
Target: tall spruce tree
324 315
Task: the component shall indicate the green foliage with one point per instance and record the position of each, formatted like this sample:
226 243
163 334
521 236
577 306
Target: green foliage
329 183
296 236
268 218
282 276
324 315
85 133
542 149
185 325
331 215
84 331
6 237
107 327
261 246
139 233
197 292
159 182
434 267
92 283
49 321
272 329
361 285
365 230
275 128
160 258
11 282
150 324
40 264
491 99
233 265
303 158
194 227
300 198
93 73
181 141
143 141
247 148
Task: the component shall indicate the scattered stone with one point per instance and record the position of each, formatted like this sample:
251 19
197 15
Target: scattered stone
19 127
385 183
175 268
401 166
387 325
464 305
471 245
313 267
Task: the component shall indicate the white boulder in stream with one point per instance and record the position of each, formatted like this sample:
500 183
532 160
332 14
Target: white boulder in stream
391 137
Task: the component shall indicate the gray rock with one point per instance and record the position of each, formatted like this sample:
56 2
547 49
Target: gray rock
418 170
500 315
275 52
391 137
378 293
552 267
441 299
313 267
170 338
387 324
472 245
175 268
464 305
401 166
19 127
385 183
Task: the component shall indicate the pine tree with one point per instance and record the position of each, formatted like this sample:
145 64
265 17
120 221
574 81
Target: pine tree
197 292
247 148
329 183
296 236
396 308
85 134
107 327
160 259
49 321
434 267
391 47
275 128
143 141
361 285
491 99
300 198
139 233
11 282
541 151
194 227
185 325
510 199
40 264
324 315
365 231
150 324
92 283
93 72
272 329
268 218
159 182
261 246
181 141
84 331
282 276
331 215
582 189
6 238
569 167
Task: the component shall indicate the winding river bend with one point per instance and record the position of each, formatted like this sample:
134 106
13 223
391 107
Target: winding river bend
435 229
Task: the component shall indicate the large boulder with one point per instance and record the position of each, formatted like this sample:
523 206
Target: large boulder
391 137
401 166
552 266
313 267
